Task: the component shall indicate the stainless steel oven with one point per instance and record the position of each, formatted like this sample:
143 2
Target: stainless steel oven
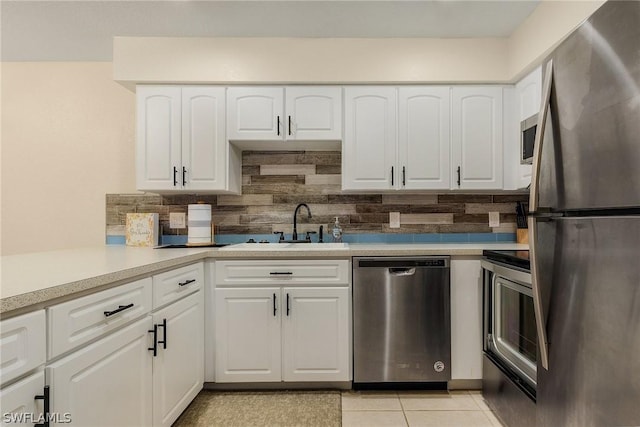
510 338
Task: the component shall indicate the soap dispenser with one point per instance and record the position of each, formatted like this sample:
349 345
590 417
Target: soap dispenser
337 231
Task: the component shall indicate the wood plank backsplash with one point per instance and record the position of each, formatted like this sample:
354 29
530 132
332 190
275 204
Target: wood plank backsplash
273 183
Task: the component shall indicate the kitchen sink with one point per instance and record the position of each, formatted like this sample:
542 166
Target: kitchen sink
285 247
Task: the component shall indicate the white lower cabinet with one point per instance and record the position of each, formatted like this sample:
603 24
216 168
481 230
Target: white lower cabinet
106 383
178 367
315 328
282 334
141 374
466 318
248 335
18 403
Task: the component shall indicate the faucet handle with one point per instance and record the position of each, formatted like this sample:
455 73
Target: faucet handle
281 233
308 237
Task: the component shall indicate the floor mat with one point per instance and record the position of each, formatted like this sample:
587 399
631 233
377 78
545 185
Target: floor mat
263 409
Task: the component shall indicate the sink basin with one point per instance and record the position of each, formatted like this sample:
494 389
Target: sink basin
285 247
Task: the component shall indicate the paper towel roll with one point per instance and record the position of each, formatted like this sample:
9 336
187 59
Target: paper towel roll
199 222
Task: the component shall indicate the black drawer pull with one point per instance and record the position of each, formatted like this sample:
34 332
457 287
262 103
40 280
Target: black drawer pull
118 310
275 310
163 325
47 404
154 331
281 273
186 282
288 308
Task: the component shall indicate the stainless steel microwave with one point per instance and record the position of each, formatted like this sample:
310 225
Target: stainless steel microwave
527 138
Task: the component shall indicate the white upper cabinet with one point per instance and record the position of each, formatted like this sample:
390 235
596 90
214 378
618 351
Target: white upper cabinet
476 137
181 141
255 113
423 138
158 139
313 113
529 97
370 136
412 124
261 113
529 94
203 138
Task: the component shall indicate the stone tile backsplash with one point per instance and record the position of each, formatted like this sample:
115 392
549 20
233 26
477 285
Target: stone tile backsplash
275 182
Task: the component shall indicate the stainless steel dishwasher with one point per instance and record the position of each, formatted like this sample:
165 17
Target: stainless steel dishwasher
401 320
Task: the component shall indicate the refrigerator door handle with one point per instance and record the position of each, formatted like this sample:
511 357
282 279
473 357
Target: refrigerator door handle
541 323
541 326
542 122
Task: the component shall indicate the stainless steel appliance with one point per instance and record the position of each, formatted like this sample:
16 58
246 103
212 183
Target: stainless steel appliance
584 225
510 345
528 129
401 320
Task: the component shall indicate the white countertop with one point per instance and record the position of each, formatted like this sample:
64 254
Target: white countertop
34 280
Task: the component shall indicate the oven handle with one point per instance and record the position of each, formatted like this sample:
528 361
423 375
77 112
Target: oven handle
541 319
509 273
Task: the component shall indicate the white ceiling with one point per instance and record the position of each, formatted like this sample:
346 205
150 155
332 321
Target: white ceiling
84 30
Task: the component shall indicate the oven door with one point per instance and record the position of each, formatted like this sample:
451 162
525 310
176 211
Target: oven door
513 336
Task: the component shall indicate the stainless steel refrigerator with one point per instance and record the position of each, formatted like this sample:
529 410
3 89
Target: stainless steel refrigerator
585 225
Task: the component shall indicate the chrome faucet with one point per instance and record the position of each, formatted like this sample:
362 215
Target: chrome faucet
295 221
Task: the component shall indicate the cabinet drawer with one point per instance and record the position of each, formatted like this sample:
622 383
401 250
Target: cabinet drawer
22 344
289 272
78 321
175 284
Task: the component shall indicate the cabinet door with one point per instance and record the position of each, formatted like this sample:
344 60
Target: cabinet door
107 383
476 137
255 113
18 403
248 335
158 138
529 93
466 318
316 334
313 113
369 149
178 368
23 342
203 138
529 97
423 144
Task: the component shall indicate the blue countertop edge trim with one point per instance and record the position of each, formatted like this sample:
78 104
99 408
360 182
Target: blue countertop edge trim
388 238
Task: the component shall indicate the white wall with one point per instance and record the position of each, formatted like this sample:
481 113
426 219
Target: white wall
543 30
319 60
67 140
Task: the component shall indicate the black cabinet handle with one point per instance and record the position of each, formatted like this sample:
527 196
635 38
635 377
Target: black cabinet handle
403 176
184 173
288 308
289 125
392 176
117 310
281 273
458 176
163 325
274 305
175 173
278 125
47 402
154 331
186 282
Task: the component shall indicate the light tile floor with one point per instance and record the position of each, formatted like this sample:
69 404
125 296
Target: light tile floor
416 408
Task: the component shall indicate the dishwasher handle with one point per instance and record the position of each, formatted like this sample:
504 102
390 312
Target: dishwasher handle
402 271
